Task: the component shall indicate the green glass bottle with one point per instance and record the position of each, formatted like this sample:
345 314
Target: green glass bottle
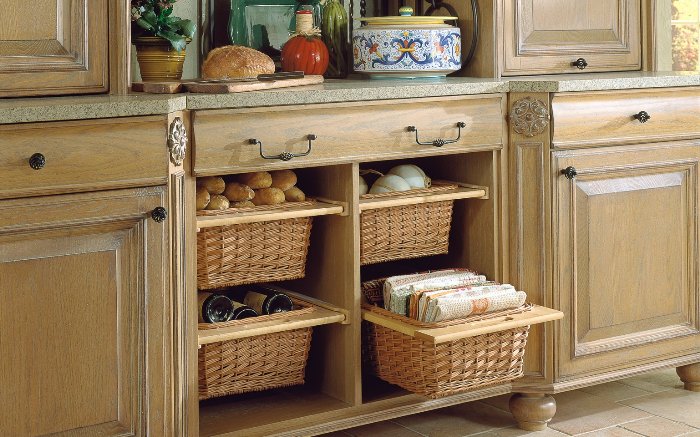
334 32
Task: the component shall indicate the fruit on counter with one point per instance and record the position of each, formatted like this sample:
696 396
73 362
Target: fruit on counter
412 174
305 51
213 184
202 198
283 179
218 202
294 194
244 204
389 183
256 180
268 196
237 192
364 188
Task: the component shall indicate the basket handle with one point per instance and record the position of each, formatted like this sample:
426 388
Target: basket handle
284 156
438 142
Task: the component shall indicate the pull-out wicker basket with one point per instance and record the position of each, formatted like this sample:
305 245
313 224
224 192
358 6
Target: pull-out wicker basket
247 253
407 231
437 370
254 363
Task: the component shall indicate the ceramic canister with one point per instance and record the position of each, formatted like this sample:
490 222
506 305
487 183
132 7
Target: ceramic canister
406 46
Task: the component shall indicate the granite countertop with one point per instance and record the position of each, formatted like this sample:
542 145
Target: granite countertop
83 107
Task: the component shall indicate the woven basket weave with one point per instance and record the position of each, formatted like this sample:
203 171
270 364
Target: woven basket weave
252 252
254 363
443 369
408 231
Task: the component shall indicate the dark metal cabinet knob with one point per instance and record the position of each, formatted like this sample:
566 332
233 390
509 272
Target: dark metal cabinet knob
642 116
159 214
37 161
569 172
580 63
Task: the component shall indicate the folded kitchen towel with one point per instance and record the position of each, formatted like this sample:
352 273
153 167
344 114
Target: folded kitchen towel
450 308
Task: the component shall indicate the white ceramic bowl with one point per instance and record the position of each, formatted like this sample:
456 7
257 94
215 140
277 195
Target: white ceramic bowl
406 46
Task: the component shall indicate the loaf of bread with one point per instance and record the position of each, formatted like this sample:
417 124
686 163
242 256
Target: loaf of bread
213 184
244 204
202 198
236 192
230 62
283 179
268 196
218 202
257 180
294 194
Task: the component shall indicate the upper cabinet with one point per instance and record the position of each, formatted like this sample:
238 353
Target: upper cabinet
563 36
51 48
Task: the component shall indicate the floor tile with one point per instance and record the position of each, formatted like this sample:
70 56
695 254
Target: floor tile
500 402
615 391
655 382
658 427
517 432
677 405
458 420
614 431
579 412
381 429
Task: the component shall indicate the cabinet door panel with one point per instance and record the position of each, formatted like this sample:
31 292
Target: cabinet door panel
626 241
75 314
546 36
57 47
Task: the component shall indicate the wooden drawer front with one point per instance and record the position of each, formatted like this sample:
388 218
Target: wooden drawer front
357 131
626 247
83 156
593 119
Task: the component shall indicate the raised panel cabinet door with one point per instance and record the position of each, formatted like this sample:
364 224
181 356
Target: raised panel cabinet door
84 324
53 47
564 36
626 256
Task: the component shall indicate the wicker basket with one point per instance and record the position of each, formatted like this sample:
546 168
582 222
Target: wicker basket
408 231
254 363
437 370
252 252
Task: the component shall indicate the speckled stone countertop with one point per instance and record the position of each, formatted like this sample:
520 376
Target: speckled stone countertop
84 107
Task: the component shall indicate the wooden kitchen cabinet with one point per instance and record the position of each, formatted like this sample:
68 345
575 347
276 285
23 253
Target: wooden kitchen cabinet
85 325
50 48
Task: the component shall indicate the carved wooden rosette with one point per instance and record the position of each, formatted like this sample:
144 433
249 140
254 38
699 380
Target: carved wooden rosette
177 141
529 117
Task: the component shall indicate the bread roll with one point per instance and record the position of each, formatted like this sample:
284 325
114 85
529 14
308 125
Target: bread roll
236 192
268 196
218 202
244 204
213 184
283 179
236 61
294 194
202 198
257 180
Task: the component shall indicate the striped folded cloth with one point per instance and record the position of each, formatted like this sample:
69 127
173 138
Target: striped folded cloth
471 301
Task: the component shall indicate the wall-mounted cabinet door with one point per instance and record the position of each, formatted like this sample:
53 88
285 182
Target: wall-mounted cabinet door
625 250
550 36
84 316
56 47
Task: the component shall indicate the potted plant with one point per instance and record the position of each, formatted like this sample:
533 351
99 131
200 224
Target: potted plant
160 39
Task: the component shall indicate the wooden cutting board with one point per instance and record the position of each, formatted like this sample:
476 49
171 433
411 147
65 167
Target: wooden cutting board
222 87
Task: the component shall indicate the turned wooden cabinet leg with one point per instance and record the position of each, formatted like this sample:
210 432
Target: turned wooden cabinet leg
690 375
532 411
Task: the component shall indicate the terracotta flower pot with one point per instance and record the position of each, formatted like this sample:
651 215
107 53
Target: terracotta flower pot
158 60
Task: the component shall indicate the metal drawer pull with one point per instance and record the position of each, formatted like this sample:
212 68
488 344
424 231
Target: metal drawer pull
37 161
438 142
580 63
570 172
159 214
284 156
642 116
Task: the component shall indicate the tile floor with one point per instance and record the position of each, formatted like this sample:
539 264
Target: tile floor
653 405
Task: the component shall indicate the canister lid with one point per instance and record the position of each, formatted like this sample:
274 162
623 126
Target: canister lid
406 18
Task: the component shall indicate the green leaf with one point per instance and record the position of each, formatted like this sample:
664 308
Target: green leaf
177 41
145 24
187 27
